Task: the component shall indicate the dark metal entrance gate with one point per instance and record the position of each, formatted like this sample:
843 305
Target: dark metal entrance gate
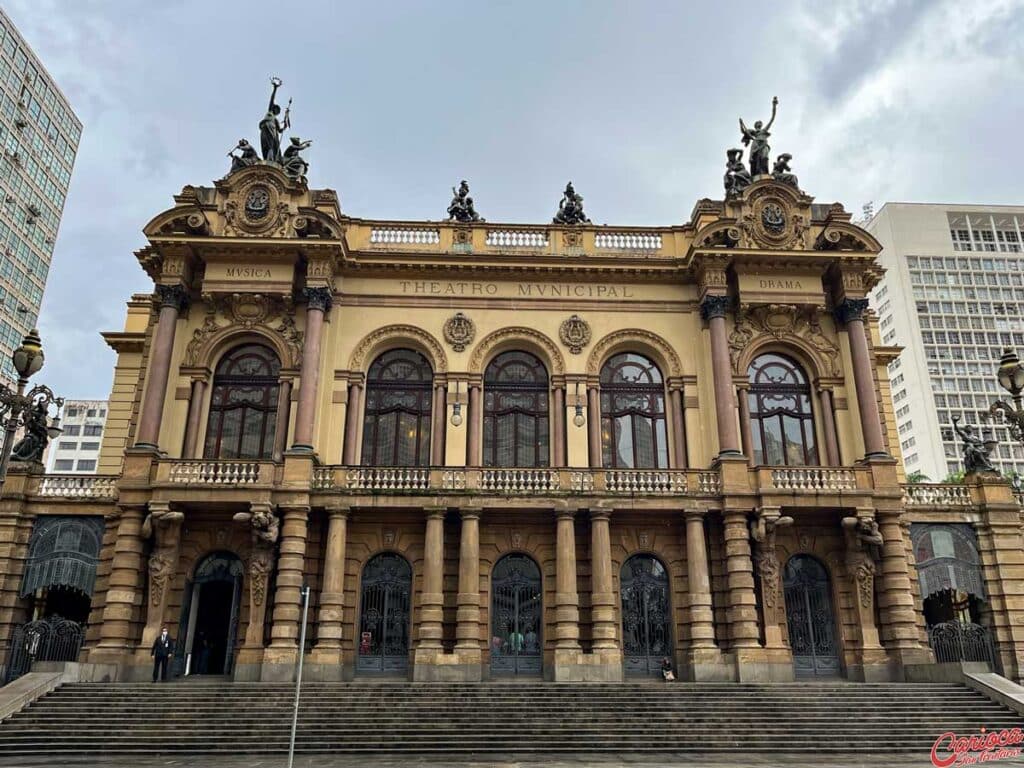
812 625
646 617
49 639
516 601
384 615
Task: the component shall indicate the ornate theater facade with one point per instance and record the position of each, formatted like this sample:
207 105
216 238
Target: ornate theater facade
563 451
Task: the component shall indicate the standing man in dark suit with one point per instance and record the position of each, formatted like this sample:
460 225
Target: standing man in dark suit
163 649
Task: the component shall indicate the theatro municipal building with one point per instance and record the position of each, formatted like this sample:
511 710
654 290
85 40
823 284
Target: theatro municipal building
559 451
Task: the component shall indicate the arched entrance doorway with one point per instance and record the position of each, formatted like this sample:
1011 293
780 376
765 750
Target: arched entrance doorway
646 616
516 617
209 616
810 618
384 615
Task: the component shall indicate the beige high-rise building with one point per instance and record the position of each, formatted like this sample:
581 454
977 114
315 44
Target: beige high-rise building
39 136
953 298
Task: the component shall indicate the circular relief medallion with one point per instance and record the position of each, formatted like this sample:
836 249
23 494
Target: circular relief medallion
773 217
575 334
257 203
459 331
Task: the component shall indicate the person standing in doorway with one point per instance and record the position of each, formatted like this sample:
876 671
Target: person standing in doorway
163 649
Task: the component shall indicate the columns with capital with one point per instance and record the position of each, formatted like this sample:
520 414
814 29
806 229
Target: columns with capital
594 426
698 577
894 594
332 592
567 599
440 421
863 546
851 314
467 630
746 433
558 425
318 305
195 416
172 298
284 633
124 587
432 597
163 525
284 407
474 426
677 402
602 588
714 309
742 611
353 413
828 419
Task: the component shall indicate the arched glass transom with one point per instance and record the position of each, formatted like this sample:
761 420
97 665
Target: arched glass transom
383 641
516 412
646 617
633 430
243 405
396 426
781 419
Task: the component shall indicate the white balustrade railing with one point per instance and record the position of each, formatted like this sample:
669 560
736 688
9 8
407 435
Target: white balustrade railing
581 482
519 480
214 472
517 238
78 486
454 480
628 241
938 495
814 479
405 236
323 478
388 479
638 481
709 483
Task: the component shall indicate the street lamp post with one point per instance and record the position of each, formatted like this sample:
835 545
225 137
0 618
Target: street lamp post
1011 378
31 411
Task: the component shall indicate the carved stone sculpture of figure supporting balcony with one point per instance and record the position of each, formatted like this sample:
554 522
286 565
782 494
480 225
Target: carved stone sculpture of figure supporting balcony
863 549
763 531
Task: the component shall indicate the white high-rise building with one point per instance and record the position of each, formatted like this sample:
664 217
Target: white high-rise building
953 298
77 449
39 136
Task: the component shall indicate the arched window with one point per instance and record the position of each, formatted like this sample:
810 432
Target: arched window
781 420
633 430
243 405
516 411
396 426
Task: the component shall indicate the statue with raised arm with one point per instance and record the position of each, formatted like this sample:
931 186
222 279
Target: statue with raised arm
270 128
757 139
977 452
737 178
247 158
570 208
781 171
293 163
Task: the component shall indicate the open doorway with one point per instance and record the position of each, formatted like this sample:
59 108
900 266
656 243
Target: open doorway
209 617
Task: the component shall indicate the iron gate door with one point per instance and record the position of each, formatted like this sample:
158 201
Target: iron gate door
516 604
383 640
49 639
646 617
812 625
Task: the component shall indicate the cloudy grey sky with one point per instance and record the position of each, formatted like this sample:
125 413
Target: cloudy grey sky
635 101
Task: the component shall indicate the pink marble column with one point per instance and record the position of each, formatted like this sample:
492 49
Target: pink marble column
828 422
195 415
558 426
851 314
743 396
172 299
474 426
594 426
353 413
714 309
440 411
284 407
678 428
317 306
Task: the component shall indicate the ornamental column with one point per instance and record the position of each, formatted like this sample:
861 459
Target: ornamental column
698 577
164 525
284 633
828 418
742 611
602 588
895 598
467 630
318 304
851 313
676 399
440 411
284 407
474 426
567 600
713 309
594 425
764 530
432 597
195 415
332 592
124 587
746 433
353 412
558 425
172 298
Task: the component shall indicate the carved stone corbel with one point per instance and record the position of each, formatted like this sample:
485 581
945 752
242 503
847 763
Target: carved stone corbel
264 527
763 530
863 550
163 525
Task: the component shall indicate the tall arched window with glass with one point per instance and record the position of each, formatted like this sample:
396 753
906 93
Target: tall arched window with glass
243 404
634 434
781 418
396 426
516 431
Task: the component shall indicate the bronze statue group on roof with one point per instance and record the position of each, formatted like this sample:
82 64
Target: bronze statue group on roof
737 177
271 131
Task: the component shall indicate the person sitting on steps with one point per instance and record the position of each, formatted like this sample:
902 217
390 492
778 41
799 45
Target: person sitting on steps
666 670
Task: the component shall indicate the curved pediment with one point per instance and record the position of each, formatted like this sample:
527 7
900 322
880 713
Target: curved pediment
843 236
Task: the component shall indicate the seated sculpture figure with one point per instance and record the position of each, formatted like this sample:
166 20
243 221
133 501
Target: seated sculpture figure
248 157
570 208
781 171
461 208
293 163
737 177
977 452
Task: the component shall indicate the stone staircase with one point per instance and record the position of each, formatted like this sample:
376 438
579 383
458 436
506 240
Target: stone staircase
498 718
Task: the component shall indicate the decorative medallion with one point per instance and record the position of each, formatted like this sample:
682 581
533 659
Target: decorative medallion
572 239
462 236
258 207
773 217
644 538
459 331
389 537
575 334
257 203
516 540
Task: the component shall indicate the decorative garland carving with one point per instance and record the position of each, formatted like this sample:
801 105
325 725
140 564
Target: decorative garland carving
783 322
250 312
624 338
398 332
574 333
495 338
260 564
159 570
459 331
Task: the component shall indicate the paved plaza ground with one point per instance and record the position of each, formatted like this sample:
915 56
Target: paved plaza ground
581 761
